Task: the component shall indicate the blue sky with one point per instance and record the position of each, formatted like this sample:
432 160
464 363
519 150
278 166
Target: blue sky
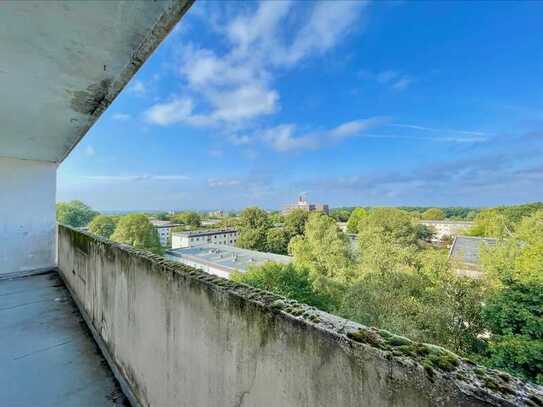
353 103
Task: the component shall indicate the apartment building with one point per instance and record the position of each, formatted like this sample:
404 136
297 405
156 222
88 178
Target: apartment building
227 237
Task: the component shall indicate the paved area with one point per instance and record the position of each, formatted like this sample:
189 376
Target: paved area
47 354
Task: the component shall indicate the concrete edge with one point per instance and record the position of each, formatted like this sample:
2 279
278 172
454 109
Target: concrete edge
28 273
123 383
472 382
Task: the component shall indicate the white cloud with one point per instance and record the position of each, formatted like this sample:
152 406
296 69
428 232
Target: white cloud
235 87
89 151
284 138
437 138
245 102
239 140
402 83
355 127
433 129
222 183
174 111
132 178
121 116
386 76
393 79
216 152
137 87
328 24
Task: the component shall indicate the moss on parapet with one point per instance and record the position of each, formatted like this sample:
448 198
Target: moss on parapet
490 385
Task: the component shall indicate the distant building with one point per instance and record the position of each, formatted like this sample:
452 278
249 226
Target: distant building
164 229
216 214
466 253
227 237
222 260
446 228
306 206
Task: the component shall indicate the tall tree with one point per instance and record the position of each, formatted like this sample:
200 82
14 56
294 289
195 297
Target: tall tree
391 223
340 215
287 280
74 213
137 231
188 218
424 300
433 214
354 220
277 240
254 224
295 222
103 225
325 251
490 223
162 216
514 310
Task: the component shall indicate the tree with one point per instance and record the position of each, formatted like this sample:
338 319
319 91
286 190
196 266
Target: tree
287 280
423 299
254 218
490 223
433 214
254 224
354 220
229 222
514 310
103 225
189 218
424 232
392 223
162 216
295 222
276 218
340 215
137 231
74 213
277 240
325 251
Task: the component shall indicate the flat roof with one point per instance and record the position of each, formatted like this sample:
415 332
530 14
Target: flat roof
451 222
227 258
194 233
164 224
467 249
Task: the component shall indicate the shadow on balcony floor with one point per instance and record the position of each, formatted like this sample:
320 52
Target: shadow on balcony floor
47 354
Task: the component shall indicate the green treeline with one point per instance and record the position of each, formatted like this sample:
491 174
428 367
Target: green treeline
396 281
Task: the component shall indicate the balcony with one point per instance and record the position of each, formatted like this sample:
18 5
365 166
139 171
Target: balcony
48 356
88 322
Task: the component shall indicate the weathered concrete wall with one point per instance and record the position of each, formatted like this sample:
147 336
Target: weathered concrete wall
181 337
27 215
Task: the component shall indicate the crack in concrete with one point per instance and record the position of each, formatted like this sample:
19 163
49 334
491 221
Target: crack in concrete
42 350
245 393
24 305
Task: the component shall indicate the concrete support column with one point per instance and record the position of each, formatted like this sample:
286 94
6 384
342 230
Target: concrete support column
27 215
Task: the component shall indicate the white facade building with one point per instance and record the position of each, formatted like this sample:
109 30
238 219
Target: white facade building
227 237
306 206
164 229
447 228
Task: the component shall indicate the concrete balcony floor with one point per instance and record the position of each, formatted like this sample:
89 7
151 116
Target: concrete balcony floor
47 354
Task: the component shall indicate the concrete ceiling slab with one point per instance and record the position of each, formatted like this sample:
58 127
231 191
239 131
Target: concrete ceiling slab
62 63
